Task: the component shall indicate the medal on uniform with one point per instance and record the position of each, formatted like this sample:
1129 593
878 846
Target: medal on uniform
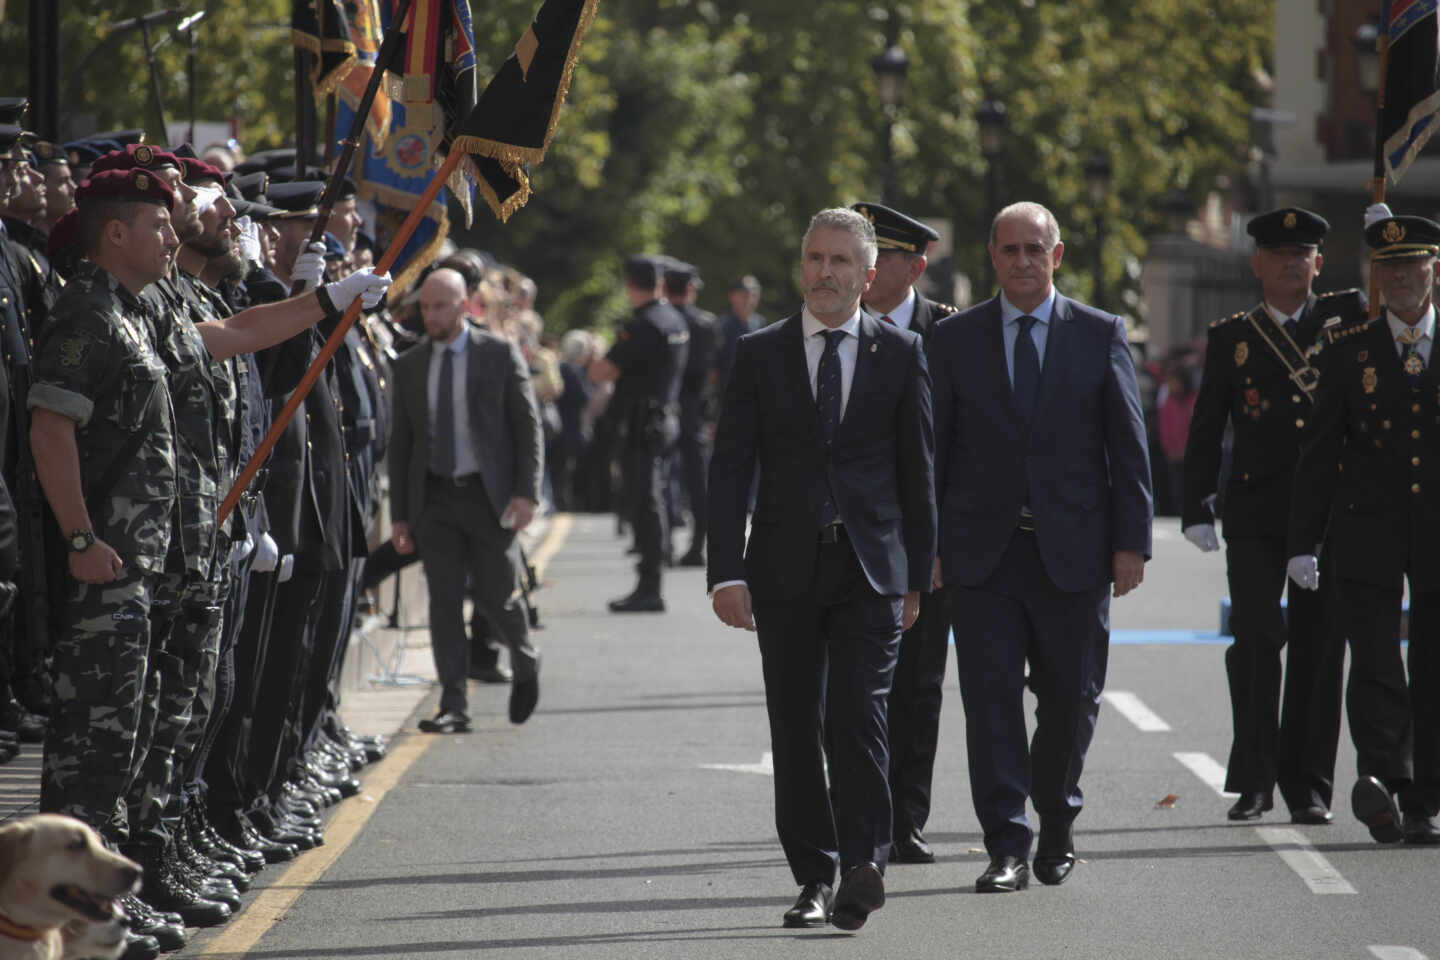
1414 366
1252 397
1242 353
1368 380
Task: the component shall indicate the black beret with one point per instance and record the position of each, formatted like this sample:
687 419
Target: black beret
13 110
136 156
642 271
894 230
1288 227
1403 238
296 200
136 184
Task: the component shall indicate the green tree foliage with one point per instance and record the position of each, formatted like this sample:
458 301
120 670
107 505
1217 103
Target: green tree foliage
713 129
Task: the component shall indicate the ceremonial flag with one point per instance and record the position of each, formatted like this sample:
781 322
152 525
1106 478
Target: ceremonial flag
319 26
1412 83
362 20
514 120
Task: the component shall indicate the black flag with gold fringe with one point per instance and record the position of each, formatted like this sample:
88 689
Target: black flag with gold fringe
514 120
320 27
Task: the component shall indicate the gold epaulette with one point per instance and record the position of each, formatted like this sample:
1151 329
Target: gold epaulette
1224 320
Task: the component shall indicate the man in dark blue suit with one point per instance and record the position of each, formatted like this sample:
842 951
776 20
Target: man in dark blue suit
834 408
1044 492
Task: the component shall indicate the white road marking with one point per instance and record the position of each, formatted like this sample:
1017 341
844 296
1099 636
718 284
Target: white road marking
1305 860
765 768
1204 766
1396 953
1132 708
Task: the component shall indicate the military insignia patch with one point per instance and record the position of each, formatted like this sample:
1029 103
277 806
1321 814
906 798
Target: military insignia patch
144 155
1414 366
1290 221
1393 232
142 182
1368 380
73 349
1252 397
1242 353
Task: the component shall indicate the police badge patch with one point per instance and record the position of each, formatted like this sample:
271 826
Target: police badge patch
1242 353
1368 380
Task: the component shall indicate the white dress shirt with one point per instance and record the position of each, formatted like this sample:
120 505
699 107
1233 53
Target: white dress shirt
902 314
466 461
1426 326
1281 317
1039 331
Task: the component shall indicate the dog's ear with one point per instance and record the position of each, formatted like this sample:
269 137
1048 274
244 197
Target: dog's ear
14 839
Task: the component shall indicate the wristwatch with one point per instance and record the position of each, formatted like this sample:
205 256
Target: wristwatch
80 540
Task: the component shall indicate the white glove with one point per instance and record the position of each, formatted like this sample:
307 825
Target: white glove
1203 536
249 239
287 567
239 551
363 283
1305 571
1375 213
267 554
309 267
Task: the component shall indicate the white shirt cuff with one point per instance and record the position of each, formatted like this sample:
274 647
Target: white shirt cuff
726 583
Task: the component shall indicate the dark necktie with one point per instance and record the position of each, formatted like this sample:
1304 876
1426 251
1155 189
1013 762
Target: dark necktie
1292 326
1026 368
827 403
444 458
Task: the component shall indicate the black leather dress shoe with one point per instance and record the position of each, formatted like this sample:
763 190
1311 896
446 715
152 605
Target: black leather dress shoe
495 674
446 723
1373 806
641 601
861 893
1420 829
1052 870
812 907
1251 805
911 848
523 697
1004 875
1314 815
137 946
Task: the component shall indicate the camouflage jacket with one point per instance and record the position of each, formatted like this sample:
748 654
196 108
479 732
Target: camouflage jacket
95 362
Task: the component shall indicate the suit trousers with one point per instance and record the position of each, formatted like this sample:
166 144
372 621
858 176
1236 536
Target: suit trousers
828 659
228 774
1395 724
1020 615
1293 745
914 710
458 530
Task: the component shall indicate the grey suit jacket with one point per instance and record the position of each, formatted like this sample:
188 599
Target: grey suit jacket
504 424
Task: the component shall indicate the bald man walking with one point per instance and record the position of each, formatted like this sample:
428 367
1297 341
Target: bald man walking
464 479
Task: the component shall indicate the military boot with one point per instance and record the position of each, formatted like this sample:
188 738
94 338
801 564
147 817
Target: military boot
145 922
164 889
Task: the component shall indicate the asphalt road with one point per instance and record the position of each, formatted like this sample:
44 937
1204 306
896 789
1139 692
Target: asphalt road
632 817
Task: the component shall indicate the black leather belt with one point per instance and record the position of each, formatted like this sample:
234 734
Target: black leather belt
464 480
832 533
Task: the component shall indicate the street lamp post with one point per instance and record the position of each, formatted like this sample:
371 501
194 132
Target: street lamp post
890 68
991 118
1097 179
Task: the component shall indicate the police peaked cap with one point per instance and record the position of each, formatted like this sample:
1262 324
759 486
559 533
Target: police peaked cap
894 230
1288 227
1403 238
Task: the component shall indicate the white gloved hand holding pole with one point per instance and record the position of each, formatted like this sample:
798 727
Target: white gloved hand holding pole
1203 536
363 283
267 554
309 267
1305 571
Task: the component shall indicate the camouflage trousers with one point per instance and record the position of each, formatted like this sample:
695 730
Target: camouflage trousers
105 648
179 696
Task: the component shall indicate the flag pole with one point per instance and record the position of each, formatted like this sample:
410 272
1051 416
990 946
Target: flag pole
417 213
389 48
1377 176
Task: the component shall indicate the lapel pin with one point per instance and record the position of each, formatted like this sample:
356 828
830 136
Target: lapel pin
873 348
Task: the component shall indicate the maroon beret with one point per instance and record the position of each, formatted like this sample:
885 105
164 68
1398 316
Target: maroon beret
62 234
138 185
136 156
198 171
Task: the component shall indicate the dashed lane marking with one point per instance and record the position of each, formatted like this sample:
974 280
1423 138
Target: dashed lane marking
1132 708
1396 953
1210 773
765 768
1305 860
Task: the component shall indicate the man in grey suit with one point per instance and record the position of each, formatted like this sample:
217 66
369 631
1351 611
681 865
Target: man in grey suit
464 479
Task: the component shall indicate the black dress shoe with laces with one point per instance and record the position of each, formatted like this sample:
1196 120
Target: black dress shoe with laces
861 893
1313 815
1374 806
1004 875
641 601
1251 805
1419 829
911 848
446 722
812 907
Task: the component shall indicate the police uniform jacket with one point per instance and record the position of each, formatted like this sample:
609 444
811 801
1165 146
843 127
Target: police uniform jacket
650 353
1248 385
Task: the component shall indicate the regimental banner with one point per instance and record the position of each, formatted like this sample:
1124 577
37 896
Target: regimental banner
320 27
1412 83
362 18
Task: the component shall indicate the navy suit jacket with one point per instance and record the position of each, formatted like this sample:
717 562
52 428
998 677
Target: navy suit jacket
1084 456
880 464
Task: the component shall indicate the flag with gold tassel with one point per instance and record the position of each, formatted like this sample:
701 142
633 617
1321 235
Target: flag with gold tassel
319 26
367 32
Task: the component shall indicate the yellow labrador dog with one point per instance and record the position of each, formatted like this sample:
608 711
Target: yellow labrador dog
54 874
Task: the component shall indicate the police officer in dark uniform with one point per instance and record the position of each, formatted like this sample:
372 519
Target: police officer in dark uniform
647 363
917 688
1261 366
682 286
1365 482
